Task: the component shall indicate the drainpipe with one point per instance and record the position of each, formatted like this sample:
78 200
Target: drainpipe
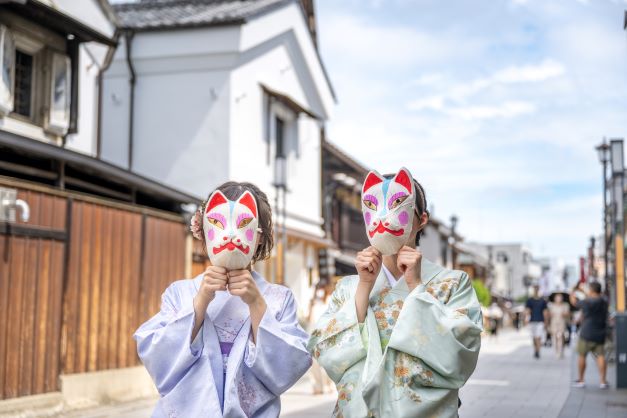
129 34
107 63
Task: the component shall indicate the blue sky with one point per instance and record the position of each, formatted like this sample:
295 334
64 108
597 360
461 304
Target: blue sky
495 106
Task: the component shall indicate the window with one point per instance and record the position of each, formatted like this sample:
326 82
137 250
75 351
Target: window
279 128
7 55
59 116
23 84
35 77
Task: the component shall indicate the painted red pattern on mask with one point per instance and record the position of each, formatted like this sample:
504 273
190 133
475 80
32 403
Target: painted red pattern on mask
231 247
380 229
403 179
217 199
248 200
371 180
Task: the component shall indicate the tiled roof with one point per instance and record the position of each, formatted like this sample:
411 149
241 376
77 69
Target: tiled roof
153 14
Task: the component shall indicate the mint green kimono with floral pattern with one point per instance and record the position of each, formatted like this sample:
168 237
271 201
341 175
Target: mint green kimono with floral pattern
413 352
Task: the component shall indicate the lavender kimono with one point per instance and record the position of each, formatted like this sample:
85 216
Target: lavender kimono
413 352
191 377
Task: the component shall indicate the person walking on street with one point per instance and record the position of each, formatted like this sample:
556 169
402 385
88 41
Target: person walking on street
536 316
558 312
594 309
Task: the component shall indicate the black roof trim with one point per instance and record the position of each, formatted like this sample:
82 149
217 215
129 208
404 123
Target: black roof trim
102 168
57 21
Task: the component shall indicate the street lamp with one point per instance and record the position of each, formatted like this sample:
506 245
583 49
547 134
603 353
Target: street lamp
454 220
280 184
618 226
603 151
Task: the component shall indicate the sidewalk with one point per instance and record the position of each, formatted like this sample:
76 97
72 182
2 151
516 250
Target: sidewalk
592 401
509 382
298 402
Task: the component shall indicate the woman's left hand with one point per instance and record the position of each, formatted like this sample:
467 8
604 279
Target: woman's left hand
242 284
409 261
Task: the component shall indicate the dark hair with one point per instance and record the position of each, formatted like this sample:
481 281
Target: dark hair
595 287
421 203
232 190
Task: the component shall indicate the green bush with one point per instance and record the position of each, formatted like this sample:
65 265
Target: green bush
483 294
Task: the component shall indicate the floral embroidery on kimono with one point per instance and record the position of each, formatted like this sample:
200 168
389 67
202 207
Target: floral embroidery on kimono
413 352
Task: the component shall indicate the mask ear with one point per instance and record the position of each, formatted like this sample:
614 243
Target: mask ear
372 178
216 198
404 178
247 199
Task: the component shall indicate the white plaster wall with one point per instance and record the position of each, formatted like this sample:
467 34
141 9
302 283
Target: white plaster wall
181 135
91 57
115 110
289 23
249 147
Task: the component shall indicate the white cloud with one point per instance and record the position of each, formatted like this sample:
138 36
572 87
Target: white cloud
546 70
460 93
508 109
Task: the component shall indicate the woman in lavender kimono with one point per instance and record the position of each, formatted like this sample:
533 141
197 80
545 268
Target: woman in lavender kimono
401 337
227 343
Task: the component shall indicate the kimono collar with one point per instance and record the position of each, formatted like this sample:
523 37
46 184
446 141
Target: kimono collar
428 271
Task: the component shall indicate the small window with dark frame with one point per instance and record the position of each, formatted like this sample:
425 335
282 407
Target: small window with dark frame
23 84
280 137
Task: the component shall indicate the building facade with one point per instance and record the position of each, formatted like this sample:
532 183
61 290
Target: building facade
198 93
86 246
514 268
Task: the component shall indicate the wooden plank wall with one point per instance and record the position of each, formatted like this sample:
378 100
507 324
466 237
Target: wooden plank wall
164 261
102 291
31 283
112 288
79 317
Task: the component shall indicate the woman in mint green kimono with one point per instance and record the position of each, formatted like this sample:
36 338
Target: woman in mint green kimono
401 337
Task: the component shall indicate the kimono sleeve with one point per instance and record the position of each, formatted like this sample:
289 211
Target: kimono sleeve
280 356
336 341
442 338
164 342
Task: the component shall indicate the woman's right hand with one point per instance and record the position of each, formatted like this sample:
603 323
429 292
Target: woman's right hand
214 279
368 264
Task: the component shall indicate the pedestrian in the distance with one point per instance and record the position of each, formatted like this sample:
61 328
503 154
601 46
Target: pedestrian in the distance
536 317
227 343
495 315
403 335
592 333
559 311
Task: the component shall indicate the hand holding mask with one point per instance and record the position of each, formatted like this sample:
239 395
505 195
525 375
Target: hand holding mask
388 206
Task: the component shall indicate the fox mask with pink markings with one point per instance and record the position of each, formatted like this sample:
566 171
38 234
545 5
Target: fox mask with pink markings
230 229
388 206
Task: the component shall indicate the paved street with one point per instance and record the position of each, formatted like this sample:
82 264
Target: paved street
508 382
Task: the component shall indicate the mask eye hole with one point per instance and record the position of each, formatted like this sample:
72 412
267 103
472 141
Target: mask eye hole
216 219
370 202
370 205
244 222
215 222
397 202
